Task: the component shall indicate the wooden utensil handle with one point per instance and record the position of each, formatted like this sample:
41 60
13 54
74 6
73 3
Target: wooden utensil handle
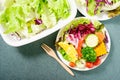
64 66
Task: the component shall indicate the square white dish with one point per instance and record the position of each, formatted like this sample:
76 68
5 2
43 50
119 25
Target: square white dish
14 42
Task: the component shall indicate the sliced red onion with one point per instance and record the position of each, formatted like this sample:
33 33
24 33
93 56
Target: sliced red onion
72 39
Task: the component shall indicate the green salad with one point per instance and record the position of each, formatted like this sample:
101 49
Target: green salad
29 17
95 7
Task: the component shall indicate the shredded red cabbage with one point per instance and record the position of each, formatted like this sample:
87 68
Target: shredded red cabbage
105 1
38 21
76 33
82 29
98 4
106 38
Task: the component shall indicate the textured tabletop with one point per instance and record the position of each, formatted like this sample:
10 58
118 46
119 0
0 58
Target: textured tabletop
30 62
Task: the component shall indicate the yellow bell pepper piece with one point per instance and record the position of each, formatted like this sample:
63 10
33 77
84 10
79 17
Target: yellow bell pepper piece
70 50
100 49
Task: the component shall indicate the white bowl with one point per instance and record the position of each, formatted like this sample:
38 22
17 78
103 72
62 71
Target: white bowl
103 58
12 42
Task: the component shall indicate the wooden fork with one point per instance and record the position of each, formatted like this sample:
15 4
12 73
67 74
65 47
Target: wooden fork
51 53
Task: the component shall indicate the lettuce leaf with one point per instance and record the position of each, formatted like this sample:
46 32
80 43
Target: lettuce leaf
53 10
13 19
60 7
95 6
48 18
91 7
18 13
115 1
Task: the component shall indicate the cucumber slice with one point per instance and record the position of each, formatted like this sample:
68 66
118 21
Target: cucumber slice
91 40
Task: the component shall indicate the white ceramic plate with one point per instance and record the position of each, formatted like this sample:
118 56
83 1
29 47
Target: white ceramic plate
103 58
11 41
101 16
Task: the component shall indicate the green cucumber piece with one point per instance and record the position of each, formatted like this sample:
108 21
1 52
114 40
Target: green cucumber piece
91 40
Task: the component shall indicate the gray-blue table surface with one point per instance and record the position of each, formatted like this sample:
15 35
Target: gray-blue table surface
30 62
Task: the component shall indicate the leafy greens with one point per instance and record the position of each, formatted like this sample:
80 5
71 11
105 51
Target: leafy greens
18 13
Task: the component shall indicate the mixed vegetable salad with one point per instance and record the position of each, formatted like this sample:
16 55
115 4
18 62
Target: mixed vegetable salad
26 18
82 43
95 7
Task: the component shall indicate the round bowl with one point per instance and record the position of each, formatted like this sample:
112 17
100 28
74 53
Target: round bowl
65 32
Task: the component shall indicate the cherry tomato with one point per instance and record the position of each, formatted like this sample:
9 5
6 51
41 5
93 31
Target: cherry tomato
97 62
72 64
89 64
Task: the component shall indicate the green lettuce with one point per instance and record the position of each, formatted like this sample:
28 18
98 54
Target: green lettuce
13 19
94 6
18 13
60 7
115 1
91 7
53 10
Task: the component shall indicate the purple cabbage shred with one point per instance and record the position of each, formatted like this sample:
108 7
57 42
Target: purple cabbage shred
38 21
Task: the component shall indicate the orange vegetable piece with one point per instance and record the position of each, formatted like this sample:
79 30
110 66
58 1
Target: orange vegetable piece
101 36
72 64
100 49
80 43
